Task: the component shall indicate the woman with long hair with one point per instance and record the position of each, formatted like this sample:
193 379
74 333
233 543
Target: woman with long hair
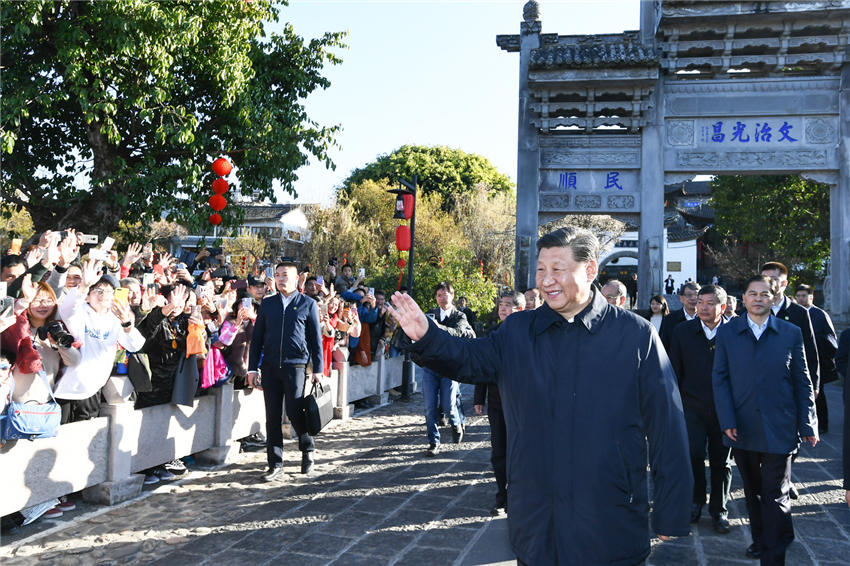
658 309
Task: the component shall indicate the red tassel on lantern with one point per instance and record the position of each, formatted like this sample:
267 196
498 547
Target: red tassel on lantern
217 202
402 238
220 186
215 219
222 167
400 263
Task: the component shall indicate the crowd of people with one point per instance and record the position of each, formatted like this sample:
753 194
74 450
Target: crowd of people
573 382
83 313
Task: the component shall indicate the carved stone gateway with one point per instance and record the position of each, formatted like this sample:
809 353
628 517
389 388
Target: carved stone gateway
709 87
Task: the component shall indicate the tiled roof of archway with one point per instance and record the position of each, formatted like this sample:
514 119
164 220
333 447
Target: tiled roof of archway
594 52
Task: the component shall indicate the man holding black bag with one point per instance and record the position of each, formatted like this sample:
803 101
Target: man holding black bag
286 337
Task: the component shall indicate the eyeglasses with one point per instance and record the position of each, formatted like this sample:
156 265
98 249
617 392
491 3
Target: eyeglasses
43 302
103 292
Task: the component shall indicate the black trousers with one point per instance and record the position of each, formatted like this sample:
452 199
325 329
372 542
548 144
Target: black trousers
74 410
704 427
767 479
499 449
284 385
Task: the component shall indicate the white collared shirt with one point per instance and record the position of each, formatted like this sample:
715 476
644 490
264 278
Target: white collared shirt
775 308
689 316
286 300
757 330
444 313
710 333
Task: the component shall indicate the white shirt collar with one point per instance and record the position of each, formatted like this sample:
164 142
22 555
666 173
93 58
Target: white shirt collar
758 330
445 313
286 300
709 332
689 316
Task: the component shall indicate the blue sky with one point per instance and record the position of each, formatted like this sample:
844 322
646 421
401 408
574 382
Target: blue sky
429 73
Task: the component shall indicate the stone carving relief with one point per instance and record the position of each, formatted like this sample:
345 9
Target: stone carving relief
588 201
560 159
820 130
680 132
554 201
621 201
752 159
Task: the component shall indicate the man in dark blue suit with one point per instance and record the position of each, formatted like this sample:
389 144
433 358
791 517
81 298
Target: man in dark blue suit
692 357
765 403
588 396
286 337
827 342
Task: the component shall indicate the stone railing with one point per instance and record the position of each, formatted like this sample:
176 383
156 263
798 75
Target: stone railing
103 457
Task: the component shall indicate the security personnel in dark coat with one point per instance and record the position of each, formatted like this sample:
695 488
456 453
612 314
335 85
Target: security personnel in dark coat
688 294
765 405
841 359
286 337
692 356
826 341
584 385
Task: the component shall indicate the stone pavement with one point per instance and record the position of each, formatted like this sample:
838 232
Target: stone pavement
374 498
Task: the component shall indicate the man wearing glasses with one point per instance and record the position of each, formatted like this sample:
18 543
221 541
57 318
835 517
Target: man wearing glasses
765 405
689 295
614 292
98 324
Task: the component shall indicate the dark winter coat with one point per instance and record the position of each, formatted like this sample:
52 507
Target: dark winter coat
292 339
580 401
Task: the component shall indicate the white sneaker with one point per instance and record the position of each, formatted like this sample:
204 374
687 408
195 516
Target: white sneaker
32 513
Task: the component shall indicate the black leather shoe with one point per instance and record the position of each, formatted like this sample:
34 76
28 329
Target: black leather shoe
696 511
793 493
273 474
457 434
754 551
721 524
306 462
433 449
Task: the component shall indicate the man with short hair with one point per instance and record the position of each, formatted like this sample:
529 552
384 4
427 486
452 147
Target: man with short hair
669 284
462 307
692 356
533 300
765 404
439 390
689 295
826 341
615 293
509 302
312 288
346 279
731 306
286 337
13 266
588 399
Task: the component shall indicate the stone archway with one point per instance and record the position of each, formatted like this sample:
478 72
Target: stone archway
616 256
717 87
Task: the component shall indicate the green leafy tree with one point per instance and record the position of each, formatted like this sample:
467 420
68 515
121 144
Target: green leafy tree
784 217
133 99
442 170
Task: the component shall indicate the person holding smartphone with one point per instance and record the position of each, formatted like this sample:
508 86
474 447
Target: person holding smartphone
286 337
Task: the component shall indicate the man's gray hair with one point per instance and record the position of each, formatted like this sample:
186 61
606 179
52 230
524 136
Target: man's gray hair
127 281
716 290
621 288
583 243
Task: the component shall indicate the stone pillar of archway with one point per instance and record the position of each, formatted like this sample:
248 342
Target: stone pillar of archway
651 231
528 158
839 212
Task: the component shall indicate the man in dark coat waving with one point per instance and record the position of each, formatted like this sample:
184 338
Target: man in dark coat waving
584 385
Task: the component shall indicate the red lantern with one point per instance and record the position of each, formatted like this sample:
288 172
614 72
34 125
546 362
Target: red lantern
222 167
217 202
402 238
408 206
220 186
215 219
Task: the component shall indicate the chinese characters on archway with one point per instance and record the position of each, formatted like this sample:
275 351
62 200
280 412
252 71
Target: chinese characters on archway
748 132
569 180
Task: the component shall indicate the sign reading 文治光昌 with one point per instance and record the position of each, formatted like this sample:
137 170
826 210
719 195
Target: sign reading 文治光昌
740 132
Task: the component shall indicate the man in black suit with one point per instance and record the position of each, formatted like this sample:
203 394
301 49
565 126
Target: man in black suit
692 357
841 358
827 343
689 295
785 309
439 390
286 337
